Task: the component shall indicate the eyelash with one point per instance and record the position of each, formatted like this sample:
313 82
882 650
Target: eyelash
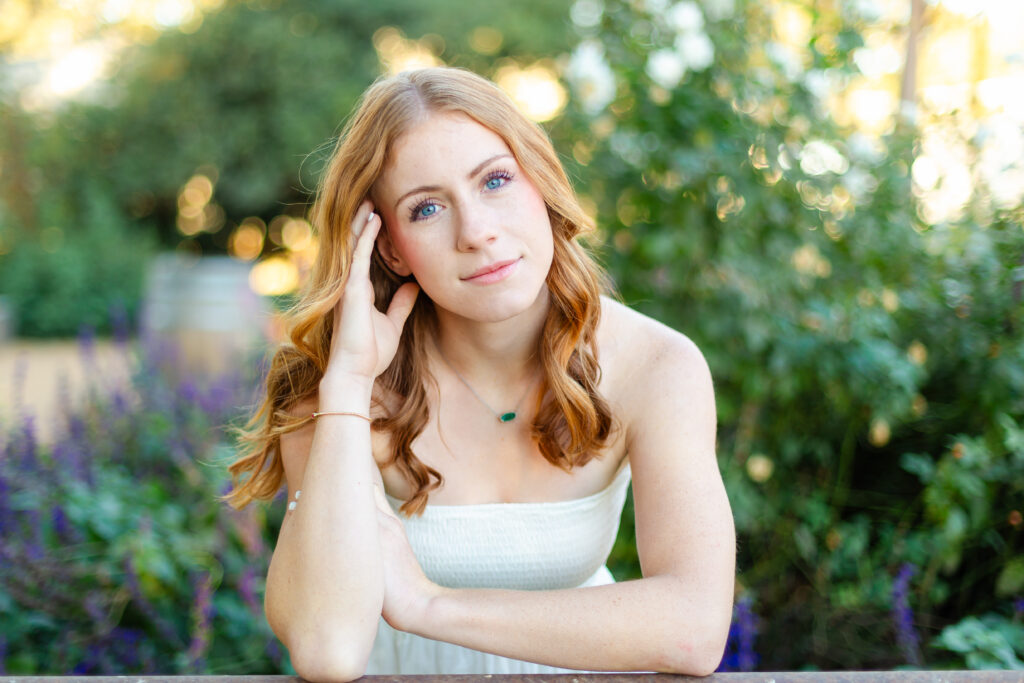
507 176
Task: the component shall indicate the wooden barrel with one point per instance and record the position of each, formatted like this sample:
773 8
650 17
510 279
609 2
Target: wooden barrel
201 314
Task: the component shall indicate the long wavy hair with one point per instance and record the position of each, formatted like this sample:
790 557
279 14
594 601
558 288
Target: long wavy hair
572 420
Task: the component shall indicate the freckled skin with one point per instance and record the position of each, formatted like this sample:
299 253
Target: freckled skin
470 218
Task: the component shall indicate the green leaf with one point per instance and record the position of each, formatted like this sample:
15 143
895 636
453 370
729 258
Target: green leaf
1011 578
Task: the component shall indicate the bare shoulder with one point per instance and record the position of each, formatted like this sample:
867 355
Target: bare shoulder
648 362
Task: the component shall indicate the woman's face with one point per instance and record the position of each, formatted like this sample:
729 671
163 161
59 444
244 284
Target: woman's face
464 219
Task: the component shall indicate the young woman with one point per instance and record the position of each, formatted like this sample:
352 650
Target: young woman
460 412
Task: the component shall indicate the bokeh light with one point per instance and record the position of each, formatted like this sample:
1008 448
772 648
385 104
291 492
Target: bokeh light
398 53
486 40
297 234
246 241
195 212
535 89
274 276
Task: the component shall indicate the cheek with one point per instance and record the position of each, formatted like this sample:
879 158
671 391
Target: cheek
417 256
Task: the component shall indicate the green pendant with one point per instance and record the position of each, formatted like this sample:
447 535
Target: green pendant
507 417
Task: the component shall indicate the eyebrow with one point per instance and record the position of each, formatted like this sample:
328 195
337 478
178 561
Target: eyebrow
469 176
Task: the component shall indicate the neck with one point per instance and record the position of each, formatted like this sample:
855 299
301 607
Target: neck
506 351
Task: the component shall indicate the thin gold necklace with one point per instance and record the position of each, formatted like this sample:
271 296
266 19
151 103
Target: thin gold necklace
507 416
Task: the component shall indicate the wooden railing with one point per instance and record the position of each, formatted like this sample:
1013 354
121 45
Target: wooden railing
765 677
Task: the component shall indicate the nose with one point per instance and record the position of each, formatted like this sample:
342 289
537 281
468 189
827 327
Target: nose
477 226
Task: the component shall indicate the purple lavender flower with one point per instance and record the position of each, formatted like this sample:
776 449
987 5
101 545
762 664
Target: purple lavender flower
61 526
119 323
94 608
88 664
68 459
24 445
125 645
903 616
131 581
6 514
119 404
87 343
1018 608
746 620
273 650
34 548
739 652
202 614
247 589
71 453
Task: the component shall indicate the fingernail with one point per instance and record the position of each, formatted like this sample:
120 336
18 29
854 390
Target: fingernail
370 218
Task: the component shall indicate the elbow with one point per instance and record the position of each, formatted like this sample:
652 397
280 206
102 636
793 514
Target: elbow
692 659
323 649
705 663
696 649
329 662
325 655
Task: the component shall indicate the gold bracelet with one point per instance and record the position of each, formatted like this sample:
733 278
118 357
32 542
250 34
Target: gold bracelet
339 412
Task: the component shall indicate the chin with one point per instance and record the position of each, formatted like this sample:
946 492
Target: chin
504 306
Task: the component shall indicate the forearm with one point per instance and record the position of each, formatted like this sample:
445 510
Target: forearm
324 588
652 624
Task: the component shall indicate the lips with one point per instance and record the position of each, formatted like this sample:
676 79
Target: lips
493 272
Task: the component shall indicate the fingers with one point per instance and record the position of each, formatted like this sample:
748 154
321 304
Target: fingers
364 246
402 303
364 214
360 219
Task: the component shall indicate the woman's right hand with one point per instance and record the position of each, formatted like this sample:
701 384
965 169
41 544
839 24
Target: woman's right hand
365 340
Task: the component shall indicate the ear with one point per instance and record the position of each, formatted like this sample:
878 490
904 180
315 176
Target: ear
390 255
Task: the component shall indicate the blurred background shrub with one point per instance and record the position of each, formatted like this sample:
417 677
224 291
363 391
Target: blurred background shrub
840 232
115 552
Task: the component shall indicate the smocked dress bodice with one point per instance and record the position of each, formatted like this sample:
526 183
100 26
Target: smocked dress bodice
523 546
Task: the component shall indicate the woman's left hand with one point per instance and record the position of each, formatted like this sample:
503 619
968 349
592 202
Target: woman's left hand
407 590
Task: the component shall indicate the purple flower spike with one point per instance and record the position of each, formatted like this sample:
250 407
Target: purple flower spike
34 548
131 580
747 632
903 616
202 615
739 649
87 342
60 523
6 514
25 445
119 323
247 589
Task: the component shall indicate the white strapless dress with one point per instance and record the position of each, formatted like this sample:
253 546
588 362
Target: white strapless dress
523 546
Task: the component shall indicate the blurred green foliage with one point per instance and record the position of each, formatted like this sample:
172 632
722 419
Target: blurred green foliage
252 98
869 366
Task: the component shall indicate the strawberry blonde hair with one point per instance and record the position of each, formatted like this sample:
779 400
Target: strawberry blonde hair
573 421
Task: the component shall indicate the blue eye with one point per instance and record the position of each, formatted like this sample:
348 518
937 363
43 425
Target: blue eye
424 209
497 179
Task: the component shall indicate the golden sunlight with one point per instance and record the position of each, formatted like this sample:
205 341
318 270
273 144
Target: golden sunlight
535 90
398 53
274 276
